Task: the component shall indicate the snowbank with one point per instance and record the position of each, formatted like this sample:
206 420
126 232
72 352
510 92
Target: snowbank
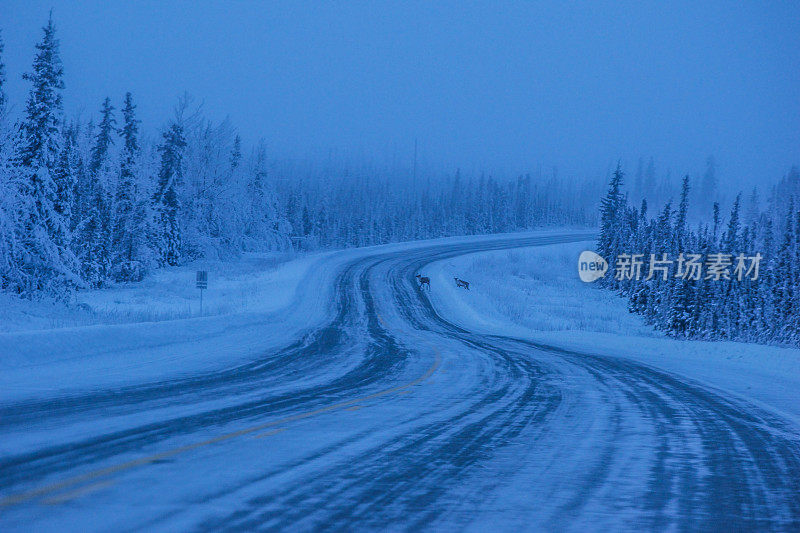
255 282
535 293
152 331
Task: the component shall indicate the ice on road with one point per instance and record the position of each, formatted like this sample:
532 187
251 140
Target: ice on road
359 407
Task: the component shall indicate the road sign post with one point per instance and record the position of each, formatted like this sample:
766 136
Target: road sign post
202 283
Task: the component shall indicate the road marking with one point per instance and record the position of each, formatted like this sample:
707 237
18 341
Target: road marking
110 470
380 318
270 433
15 499
80 491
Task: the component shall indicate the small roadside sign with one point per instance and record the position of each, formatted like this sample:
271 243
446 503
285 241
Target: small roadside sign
202 283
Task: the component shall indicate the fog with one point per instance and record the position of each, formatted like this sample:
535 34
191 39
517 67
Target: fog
500 87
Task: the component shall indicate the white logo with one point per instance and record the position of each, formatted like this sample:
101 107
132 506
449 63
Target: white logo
591 266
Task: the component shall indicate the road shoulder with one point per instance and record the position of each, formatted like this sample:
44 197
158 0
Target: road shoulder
534 293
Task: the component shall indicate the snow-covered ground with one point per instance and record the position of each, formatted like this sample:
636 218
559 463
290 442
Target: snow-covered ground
355 406
535 293
254 282
151 330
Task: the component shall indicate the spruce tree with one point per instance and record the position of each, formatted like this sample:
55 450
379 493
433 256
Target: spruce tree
10 253
753 208
766 285
716 220
649 184
708 187
785 272
12 276
730 241
129 217
95 232
794 324
64 175
680 221
680 313
610 208
44 109
638 188
50 265
236 153
166 202
679 319
104 138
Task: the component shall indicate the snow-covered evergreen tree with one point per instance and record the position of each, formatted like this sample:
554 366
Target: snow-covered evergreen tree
784 296
10 213
49 265
67 191
94 233
610 214
708 186
236 153
680 221
738 305
130 209
166 202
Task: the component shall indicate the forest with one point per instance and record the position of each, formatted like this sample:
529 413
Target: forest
87 203
744 301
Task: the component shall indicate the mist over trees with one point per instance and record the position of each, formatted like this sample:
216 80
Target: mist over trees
736 305
88 203
85 204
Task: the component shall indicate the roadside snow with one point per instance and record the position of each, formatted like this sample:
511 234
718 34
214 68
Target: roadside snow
151 331
255 282
535 293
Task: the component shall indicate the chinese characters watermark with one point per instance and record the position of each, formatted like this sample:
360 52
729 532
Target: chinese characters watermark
695 267
715 267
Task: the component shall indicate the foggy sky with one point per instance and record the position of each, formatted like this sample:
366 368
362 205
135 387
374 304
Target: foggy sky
483 86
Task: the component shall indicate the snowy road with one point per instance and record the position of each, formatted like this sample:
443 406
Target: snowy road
387 414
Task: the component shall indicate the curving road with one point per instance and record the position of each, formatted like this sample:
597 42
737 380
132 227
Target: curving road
387 415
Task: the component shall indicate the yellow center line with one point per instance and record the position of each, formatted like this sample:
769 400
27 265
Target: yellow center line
270 433
109 470
80 491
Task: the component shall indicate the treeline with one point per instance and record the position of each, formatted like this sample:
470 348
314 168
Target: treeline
352 209
658 188
747 286
85 204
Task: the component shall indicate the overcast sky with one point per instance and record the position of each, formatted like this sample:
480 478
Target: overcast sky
495 86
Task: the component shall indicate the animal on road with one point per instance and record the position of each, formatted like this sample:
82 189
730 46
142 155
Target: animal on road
462 283
424 280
